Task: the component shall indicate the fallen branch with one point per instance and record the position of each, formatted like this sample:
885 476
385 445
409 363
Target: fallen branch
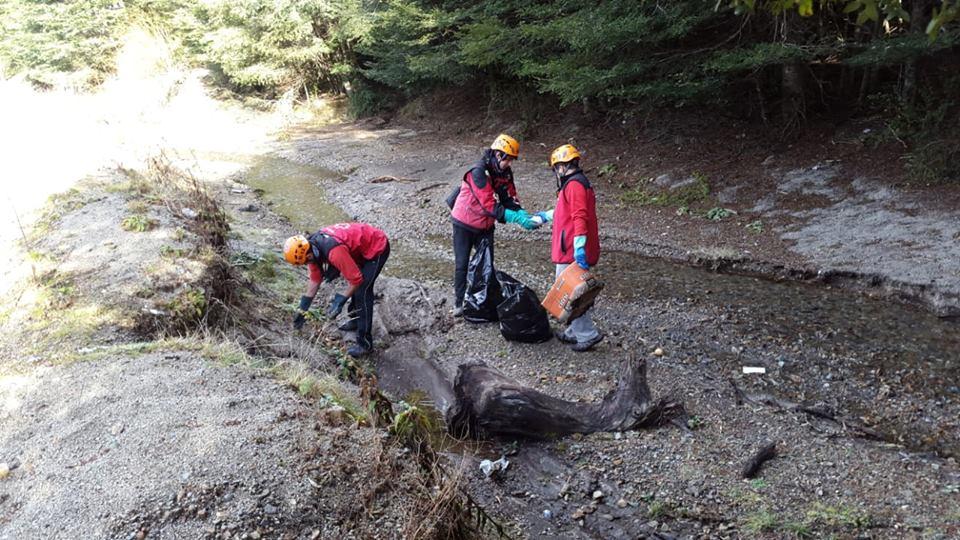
766 453
487 402
385 179
819 412
431 186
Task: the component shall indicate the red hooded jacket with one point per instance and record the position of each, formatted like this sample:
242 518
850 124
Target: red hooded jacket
345 246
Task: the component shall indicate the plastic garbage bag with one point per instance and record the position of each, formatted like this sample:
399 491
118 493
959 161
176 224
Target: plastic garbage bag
522 318
483 289
491 468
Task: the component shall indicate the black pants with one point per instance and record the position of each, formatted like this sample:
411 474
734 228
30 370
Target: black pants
465 241
361 303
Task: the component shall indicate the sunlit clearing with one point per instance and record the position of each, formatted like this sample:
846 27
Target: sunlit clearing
53 139
13 389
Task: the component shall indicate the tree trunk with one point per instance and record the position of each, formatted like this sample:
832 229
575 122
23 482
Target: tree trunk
488 402
918 25
793 107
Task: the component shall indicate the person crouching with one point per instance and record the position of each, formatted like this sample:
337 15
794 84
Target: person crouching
357 252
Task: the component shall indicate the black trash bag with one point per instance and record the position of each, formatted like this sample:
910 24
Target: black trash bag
483 289
522 318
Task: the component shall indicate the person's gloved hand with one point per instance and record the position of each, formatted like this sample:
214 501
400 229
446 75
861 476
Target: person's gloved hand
520 217
515 216
301 316
531 223
546 216
580 251
336 305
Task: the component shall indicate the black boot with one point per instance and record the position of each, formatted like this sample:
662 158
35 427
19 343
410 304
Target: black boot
350 325
357 350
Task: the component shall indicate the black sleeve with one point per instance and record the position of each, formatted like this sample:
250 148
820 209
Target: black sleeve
498 212
505 200
479 176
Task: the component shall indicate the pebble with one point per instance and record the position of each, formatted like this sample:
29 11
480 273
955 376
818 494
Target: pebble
658 352
597 494
4 470
269 509
622 503
547 514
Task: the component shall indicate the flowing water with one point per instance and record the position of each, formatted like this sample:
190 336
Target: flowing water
295 191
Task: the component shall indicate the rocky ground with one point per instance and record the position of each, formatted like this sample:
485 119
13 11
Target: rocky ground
875 471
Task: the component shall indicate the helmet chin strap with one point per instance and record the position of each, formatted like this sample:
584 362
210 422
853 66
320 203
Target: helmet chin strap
498 160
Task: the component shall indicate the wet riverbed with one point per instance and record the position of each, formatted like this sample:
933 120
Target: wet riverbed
870 338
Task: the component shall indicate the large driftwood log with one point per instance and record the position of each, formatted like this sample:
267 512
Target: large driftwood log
487 402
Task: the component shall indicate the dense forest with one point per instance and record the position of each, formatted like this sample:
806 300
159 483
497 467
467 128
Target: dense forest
779 62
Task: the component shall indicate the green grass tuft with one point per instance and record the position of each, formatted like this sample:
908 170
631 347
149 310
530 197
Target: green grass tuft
137 223
839 516
683 197
761 521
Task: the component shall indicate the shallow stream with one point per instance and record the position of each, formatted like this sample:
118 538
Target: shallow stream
875 338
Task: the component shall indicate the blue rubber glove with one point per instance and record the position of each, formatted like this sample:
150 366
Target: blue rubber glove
515 216
531 223
520 217
547 216
580 251
336 306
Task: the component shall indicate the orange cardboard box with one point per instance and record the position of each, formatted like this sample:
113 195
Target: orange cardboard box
572 293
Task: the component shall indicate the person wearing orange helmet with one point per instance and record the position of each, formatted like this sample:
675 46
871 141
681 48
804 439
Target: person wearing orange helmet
357 252
487 195
575 237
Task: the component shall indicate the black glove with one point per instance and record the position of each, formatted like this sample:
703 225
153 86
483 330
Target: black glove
300 318
336 306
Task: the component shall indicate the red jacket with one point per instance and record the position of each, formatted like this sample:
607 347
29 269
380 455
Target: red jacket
575 215
484 195
345 246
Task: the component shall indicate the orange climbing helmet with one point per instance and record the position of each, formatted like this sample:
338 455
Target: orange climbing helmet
564 154
295 249
506 144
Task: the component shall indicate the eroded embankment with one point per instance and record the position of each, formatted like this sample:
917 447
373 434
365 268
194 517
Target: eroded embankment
114 427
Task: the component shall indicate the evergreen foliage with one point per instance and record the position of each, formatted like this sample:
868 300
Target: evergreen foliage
59 43
778 60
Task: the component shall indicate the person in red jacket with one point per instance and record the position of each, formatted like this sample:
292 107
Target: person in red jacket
487 195
357 252
575 236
